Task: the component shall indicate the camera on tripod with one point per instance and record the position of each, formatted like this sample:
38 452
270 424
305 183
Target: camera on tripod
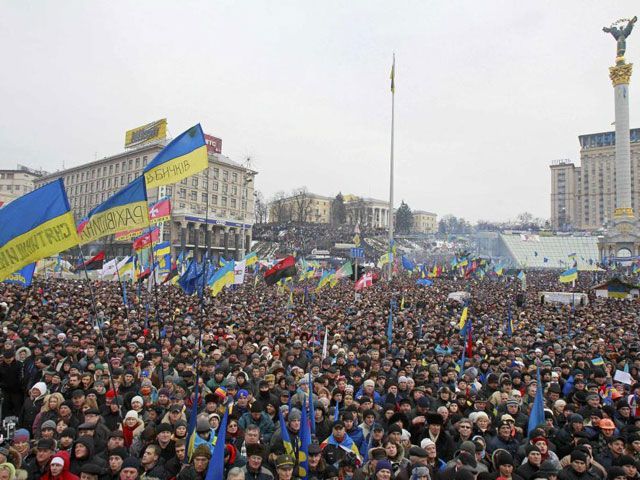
9 428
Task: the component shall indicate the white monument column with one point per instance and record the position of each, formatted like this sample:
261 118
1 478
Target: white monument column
620 77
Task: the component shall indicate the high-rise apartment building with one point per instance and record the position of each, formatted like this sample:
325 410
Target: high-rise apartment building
213 208
15 183
583 197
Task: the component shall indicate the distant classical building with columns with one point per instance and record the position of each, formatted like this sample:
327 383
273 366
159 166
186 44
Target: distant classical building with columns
225 188
368 212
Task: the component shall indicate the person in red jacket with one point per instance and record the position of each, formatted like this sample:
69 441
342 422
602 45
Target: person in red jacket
59 468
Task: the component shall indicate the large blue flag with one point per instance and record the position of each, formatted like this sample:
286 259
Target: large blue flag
536 417
191 428
305 441
125 210
191 279
22 277
424 282
35 226
183 157
408 264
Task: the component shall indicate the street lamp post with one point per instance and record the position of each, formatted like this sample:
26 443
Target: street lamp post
245 182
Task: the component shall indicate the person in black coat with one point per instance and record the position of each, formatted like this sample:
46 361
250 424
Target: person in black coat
444 443
11 385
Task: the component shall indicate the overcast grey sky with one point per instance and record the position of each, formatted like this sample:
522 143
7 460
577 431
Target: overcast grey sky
488 93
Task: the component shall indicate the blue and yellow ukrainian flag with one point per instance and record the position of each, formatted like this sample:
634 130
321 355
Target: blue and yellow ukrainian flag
186 155
126 210
223 277
35 226
250 259
569 276
22 277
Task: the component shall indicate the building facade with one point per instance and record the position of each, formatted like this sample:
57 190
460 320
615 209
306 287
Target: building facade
424 222
212 209
583 197
368 212
15 183
303 207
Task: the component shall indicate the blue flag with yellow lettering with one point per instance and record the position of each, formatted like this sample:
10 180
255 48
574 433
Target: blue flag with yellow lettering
125 210
35 226
183 157
22 277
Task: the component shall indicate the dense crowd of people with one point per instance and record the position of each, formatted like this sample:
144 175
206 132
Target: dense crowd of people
306 237
102 391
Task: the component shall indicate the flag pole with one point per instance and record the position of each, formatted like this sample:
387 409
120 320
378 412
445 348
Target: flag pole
393 93
100 335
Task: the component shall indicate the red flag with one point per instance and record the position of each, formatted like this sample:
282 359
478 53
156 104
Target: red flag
469 345
283 269
160 211
365 281
94 263
147 239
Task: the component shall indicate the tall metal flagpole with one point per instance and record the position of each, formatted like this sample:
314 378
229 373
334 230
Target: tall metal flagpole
393 93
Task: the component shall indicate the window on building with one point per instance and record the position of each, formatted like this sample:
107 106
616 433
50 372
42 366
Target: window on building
215 186
216 173
182 193
225 176
235 178
183 181
169 190
117 168
130 163
109 182
194 182
182 205
203 197
234 190
110 169
233 203
194 196
214 199
224 201
225 188
144 161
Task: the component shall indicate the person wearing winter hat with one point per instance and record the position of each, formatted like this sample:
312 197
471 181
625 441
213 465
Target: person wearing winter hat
115 460
616 473
284 467
48 429
137 403
503 463
384 469
164 441
531 466
255 459
59 468
130 469
420 473
578 465
7 471
20 442
131 427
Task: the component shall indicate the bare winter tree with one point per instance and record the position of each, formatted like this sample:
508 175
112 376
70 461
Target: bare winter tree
261 210
279 211
301 205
